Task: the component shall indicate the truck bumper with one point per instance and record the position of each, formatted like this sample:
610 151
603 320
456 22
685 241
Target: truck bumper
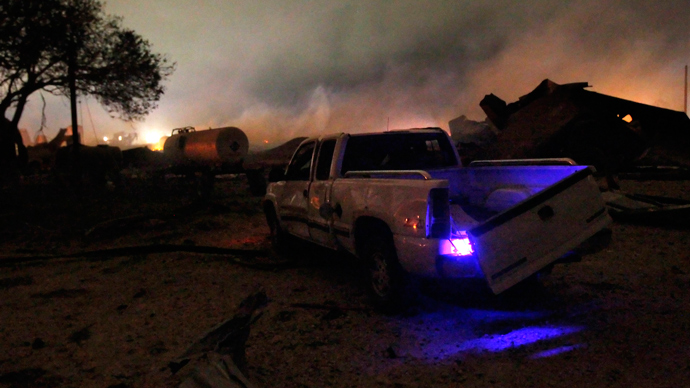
425 257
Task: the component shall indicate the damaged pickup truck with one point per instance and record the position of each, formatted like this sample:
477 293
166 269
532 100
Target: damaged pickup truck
402 201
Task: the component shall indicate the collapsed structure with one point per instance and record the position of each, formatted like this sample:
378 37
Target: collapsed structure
592 128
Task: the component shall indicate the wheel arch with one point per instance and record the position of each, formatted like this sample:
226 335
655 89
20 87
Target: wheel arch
364 227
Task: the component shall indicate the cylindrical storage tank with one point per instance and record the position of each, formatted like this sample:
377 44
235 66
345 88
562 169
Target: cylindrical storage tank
226 145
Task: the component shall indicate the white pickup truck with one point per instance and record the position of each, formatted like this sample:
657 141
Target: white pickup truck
402 201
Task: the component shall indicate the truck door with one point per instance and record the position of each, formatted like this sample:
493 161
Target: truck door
319 194
293 202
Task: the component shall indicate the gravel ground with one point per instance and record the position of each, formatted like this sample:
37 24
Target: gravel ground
619 318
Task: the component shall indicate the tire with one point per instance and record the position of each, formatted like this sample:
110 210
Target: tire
388 282
257 182
279 239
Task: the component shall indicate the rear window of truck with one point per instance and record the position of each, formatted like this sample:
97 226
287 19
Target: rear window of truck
398 151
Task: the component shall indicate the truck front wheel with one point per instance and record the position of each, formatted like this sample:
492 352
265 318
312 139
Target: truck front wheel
278 236
387 280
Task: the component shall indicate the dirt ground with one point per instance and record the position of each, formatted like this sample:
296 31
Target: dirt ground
619 318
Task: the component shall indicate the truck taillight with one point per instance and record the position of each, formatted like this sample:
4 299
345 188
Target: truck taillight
438 214
458 244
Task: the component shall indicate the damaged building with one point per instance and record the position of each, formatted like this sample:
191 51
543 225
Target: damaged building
569 121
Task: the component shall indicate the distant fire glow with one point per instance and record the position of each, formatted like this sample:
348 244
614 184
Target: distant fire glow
151 137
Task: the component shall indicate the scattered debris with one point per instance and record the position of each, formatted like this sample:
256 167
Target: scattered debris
158 348
98 165
38 344
648 209
219 356
329 306
41 157
656 173
274 157
31 377
81 335
391 353
251 258
332 314
61 293
472 137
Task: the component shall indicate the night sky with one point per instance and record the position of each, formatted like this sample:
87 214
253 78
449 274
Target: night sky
280 69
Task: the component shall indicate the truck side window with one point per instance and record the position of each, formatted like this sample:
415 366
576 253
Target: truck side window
300 165
323 166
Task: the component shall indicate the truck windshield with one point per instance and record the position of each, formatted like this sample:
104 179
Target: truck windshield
398 151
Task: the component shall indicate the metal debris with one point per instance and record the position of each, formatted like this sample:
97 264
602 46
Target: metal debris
595 129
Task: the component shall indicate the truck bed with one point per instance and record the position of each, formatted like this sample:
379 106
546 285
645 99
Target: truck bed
522 218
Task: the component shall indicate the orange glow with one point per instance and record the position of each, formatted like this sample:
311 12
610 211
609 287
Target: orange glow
265 141
158 146
627 118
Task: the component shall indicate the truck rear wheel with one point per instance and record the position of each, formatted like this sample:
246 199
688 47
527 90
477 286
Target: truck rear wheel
388 283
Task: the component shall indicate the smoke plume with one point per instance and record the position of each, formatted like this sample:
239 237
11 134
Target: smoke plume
281 69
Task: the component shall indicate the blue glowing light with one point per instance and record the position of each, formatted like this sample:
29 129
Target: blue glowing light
557 351
450 331
516 338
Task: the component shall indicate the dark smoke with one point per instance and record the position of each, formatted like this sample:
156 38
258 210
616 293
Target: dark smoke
295 68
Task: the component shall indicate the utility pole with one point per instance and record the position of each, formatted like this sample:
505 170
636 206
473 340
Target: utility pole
73 44
685 91
71 74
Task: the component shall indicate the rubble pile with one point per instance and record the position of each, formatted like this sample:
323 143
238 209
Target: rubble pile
554 121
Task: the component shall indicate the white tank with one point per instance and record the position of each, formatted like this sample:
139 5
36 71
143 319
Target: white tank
226 145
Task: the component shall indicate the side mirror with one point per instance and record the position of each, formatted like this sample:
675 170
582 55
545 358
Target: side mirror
276 174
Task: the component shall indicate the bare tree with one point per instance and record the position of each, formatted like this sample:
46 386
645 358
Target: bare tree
40 39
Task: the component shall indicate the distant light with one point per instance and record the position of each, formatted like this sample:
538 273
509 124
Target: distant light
105 138
119 138
627 118
265 141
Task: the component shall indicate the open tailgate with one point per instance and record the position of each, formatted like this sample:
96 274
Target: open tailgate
527 237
